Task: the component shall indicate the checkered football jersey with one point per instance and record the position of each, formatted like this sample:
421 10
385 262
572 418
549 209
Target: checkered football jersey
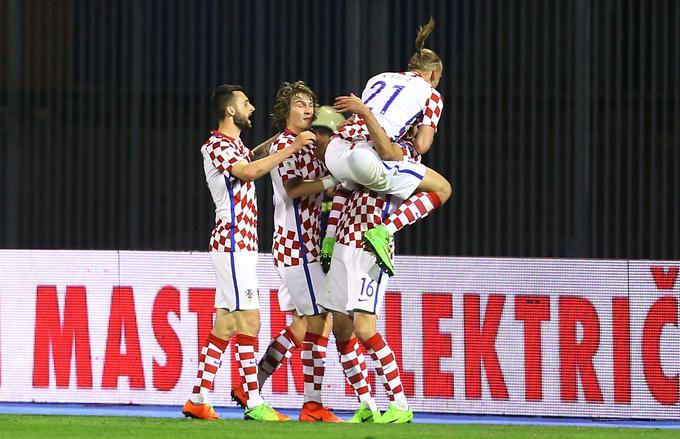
297 224
398 101
409 151
235 200
364 210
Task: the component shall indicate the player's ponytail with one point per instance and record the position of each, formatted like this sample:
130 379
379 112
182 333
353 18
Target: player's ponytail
423 33
424 59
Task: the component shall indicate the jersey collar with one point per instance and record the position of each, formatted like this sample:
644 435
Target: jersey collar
221 134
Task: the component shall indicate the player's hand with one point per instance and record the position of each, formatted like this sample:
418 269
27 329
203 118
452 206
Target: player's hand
350 104
302 139
327 253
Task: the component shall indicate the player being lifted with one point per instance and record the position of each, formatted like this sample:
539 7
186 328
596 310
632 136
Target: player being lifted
395 102
230 174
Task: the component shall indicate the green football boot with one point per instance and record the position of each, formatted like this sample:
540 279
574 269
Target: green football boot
364 414
378 241
264 412
327 253
395 415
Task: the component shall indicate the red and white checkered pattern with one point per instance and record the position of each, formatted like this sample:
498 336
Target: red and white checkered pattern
305 211
354 130
363 211
247 368
386 367
313 365
279 350
337 208
409 151
433 110
220 153
415 208
354 366
209 362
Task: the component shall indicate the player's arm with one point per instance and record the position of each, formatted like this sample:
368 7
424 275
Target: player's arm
432 113
382 144
297 187
424 139
256 169
262 150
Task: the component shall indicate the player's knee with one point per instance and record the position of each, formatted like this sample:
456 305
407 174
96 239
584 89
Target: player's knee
363 330
249 324
316 324
224 329
343 330
444 191
299 327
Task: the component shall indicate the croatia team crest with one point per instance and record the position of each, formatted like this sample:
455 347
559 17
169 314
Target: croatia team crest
249 295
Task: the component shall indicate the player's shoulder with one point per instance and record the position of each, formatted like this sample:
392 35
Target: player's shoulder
284 139
435 95
383 76
219 141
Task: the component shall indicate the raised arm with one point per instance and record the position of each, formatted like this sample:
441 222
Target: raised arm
382 144
256 169
262 150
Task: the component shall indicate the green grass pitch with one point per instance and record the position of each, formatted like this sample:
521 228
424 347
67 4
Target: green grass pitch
50 427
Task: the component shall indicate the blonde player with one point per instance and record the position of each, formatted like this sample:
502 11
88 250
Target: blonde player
230 174
395 102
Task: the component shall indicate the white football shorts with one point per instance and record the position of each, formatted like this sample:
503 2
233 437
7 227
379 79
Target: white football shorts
285 301
360 164
301 286
354 282
236 280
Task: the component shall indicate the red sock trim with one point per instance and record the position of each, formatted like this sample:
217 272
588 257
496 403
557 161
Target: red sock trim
375 343
319 340
220 343
434 198
290 336
345 347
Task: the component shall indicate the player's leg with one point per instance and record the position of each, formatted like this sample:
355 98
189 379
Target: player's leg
246 313
354 367
281 347
386 367
365 296
356 164
309 287
430 193
209 362
334 299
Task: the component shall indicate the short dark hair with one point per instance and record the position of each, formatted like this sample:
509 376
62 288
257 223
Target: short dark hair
222 97
283 97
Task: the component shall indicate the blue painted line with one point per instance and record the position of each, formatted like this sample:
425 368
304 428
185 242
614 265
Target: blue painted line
403 171
303 252
166 411
230 189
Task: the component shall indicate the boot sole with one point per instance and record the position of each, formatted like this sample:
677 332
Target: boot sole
368 245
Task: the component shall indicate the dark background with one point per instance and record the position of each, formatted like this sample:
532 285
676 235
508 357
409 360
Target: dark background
559 134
